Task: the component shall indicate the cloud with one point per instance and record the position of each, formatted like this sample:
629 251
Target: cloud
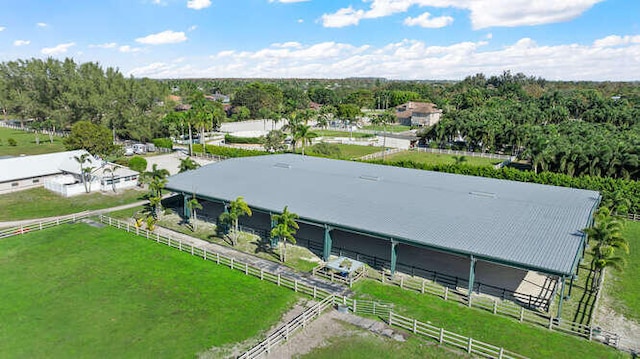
2 28
615 40
127 48
57 50
165 37
42 24
483 13
192 27
21 42
198 4
106 45
425 20
300 21
412 59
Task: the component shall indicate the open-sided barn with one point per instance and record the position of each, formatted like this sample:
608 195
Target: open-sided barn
478 230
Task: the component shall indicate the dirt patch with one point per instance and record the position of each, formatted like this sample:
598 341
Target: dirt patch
609 320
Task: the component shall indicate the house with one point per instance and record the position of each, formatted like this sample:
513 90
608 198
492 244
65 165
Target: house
418 114
60 172
225 99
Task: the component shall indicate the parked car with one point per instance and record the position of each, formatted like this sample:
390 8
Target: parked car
139 148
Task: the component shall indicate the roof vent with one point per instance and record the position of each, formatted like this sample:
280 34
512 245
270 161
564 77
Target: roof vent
282 165
483 194
370 178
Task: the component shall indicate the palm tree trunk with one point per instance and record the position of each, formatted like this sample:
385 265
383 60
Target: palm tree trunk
190 141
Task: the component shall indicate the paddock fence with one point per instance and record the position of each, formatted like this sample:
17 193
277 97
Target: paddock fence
40 225
465 153
283 333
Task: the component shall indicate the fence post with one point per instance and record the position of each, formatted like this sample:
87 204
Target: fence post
402 282
21 230
390 317
191 249
441 335
158 237
180 245
521 313
470 345
590 333
295 285
422 290
217 258
495 306
246 269
415 326
314 291
204 254
500 353
354 306
446 293
261 274
374 308
550 322
231 264
127 227
278 279
344 300
137 231
40 225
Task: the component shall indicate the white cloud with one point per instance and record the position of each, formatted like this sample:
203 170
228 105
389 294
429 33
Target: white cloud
42 24
416 59
483 13
300 21
198 4
106 45
127 48
425 20
616 40
21 42
192 28
165 37
2 28
57 50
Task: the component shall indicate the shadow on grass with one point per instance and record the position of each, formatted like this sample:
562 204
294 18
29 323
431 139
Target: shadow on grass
585 305
263 246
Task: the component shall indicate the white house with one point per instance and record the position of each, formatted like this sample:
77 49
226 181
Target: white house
61 172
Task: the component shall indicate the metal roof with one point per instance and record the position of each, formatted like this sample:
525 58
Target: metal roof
16 168
526 225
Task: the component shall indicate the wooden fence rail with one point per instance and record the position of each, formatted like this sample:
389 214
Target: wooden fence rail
40 225
284 332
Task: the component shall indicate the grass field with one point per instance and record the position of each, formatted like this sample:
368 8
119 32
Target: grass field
624 286
390 128
26 143
362 344
521 338
436 158
39 202
85 292
347 152
333 133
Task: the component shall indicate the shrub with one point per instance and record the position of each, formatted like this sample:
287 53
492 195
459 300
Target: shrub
250 140
229 151
326 149
138 164
163 143
12 142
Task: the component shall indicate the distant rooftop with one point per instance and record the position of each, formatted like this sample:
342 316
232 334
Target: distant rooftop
526 225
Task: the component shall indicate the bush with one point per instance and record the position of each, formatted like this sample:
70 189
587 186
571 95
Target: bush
326 149
229 151
12 142
250 140
138 164
163 143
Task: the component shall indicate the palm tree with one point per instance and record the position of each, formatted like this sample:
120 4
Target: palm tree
607 233
304 134
285 229
193 205
237 209
459 159
188 164
383 120
85 172
111 170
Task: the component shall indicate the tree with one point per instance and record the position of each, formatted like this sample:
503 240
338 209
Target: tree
112 171
188 164
274 141
138 164
156 179
459 159
93 138
236 209
285 229
192 206
304 134
383 120
85 172
607 234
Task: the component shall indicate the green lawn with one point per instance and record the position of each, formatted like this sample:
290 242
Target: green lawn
390 128
534 342
39 202
346 151
624 287
436 158
361 344
77 291
333 133
26 143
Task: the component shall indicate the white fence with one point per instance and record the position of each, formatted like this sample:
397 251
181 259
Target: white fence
40 225
27 129
465 153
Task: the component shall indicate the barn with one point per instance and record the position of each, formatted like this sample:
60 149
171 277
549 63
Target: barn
505 238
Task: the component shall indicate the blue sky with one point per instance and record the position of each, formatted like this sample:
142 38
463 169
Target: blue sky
396 39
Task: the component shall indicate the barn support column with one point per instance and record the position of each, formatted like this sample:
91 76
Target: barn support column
571 285
394 256
186 212
326 252
472 276
274 240
562 285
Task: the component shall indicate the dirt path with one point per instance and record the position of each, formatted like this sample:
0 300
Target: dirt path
609 320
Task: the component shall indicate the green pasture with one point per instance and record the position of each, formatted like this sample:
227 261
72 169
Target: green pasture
440 159
26 143
85 292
